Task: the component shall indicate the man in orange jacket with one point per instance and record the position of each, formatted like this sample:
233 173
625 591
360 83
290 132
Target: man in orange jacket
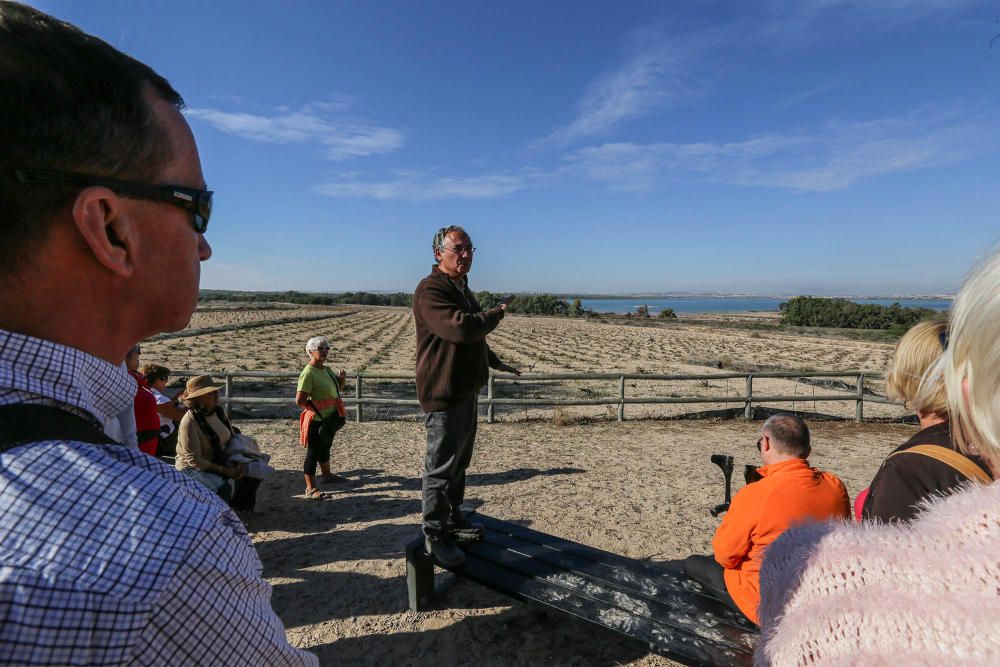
789 493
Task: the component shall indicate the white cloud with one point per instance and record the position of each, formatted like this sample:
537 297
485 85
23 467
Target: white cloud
650 78
794 20
832 157
801 96
417 186
319 124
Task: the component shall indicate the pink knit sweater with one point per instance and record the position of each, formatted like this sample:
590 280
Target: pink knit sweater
923 594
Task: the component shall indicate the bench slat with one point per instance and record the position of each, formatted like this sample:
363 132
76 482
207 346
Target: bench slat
652 581
666 588
668 641
682 616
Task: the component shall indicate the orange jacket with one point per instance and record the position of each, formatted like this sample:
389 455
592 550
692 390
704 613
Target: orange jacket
790 493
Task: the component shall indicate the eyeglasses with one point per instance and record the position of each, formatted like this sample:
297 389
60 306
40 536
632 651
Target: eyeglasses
196 201
323 349
943 339
759 440
461 249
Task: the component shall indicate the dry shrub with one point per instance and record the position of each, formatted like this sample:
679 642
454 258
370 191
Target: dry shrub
561 418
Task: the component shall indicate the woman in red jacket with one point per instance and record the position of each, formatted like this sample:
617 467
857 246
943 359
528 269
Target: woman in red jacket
147 418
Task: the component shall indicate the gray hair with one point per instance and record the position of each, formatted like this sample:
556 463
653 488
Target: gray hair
315 343
790 434
442 233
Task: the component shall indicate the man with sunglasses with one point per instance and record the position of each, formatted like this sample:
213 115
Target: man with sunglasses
107 556
789 492
453 362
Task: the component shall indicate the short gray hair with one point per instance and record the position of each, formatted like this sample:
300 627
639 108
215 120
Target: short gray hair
315 343
442 233
790 435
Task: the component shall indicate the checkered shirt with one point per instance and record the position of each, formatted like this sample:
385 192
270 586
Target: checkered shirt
110 557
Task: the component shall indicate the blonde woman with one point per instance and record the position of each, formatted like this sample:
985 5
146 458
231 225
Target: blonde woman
919 593
911 473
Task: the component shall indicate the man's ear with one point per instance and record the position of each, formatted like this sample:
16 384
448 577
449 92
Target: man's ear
100 217
437 255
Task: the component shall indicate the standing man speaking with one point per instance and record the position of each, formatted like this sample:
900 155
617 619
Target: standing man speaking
452 360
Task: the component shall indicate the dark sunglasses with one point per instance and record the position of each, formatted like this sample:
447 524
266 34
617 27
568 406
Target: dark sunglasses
759 440
196 201
943 339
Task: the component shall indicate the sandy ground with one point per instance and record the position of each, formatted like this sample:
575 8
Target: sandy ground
641 488
638 488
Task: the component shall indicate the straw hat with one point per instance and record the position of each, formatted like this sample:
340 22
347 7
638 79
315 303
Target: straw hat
199 386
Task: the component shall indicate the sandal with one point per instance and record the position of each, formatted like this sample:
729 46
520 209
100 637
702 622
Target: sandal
314 494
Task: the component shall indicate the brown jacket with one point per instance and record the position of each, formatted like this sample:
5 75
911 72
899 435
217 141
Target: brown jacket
903 482
452 354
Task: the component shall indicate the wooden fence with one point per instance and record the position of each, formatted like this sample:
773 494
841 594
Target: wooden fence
747 399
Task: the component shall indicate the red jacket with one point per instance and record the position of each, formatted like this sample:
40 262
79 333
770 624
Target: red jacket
790 493
147 418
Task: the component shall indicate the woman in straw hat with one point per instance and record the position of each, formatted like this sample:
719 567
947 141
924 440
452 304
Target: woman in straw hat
202 437
919 593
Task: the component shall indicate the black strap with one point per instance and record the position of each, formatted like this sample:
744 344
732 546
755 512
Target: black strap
23 423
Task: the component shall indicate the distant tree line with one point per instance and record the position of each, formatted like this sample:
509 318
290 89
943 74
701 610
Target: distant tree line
533 304
309 298
809 311
643 312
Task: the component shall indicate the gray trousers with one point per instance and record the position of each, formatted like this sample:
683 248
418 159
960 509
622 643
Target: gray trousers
450 436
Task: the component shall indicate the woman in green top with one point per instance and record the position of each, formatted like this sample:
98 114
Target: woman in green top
317 394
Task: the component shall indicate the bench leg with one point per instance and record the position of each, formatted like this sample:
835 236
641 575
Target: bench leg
419 577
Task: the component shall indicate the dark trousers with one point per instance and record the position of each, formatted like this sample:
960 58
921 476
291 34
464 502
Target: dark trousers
245 494
707 572
317 449
450 437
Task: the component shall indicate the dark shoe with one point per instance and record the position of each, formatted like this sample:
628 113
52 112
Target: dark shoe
464 530
445 551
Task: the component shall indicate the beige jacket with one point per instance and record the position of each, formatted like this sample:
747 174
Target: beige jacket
194 448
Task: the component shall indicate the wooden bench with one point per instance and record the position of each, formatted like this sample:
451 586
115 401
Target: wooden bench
659 607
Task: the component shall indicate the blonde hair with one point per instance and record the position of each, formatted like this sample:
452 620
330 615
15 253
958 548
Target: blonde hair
973 357
916 352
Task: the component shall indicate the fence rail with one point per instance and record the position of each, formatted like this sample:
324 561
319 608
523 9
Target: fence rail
748 399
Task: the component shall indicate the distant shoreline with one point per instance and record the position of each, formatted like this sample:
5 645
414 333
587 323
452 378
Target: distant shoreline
782 297
728 304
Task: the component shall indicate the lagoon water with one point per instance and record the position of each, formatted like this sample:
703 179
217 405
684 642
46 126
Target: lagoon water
729 304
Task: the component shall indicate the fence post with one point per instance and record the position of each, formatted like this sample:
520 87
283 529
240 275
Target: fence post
621 398
357 397
489 399
859 409
229 394
748 408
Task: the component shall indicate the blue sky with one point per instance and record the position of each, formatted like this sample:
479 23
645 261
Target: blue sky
781 146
